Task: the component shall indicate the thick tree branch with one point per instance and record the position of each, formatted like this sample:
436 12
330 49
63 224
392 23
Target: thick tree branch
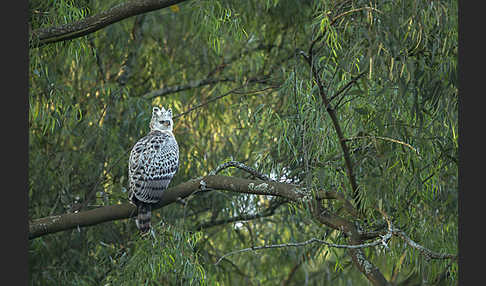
339 196
68 221
57 223
337 128
325 217
326 100
43 36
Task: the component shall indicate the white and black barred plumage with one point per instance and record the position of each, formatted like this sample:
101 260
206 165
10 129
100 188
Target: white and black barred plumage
153 162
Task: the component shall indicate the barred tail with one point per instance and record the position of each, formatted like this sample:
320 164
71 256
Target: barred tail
143 217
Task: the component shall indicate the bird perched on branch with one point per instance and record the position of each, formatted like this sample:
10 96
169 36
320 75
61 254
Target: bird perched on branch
153 162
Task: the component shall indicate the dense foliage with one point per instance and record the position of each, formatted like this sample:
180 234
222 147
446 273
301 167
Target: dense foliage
247 93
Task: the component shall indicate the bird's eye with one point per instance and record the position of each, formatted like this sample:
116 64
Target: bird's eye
164 122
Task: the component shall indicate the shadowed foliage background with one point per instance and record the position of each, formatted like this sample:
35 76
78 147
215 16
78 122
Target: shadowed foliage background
242 78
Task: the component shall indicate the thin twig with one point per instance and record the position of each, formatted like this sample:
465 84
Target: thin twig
382 241
101 181
178 88
344 88
244 217
241 166
233 91
386 139
353 11
126 69
334 20
206 103
304 243
256 91
429 254
226 62
99 63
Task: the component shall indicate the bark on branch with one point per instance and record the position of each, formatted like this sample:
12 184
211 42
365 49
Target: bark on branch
339 133
42 36
68 221
57 223
329 219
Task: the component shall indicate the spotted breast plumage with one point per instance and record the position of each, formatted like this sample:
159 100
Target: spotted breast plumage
153 162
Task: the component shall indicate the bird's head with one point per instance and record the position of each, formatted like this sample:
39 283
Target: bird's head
161 119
